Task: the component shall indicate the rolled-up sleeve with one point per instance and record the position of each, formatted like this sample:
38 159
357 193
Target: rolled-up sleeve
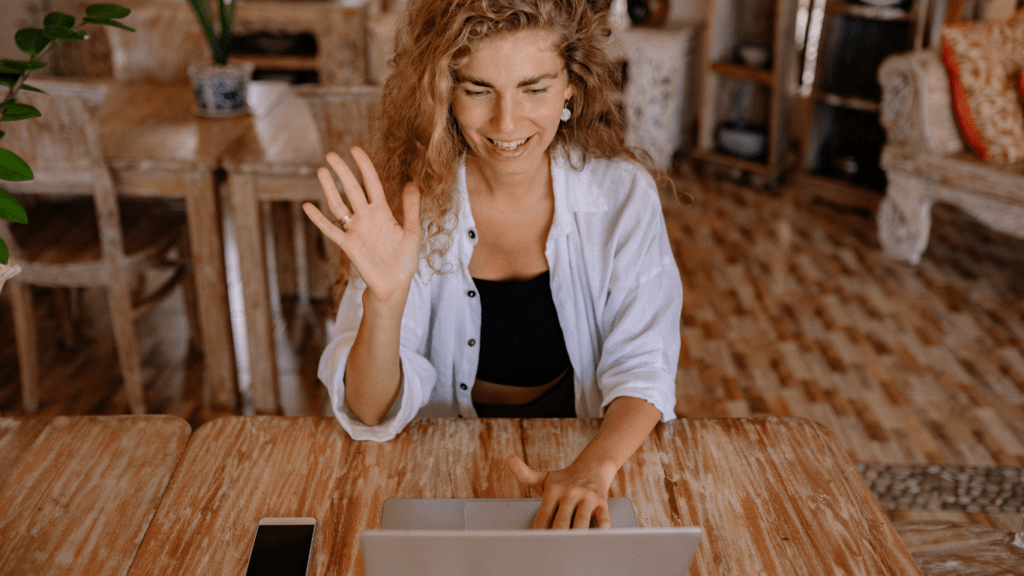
641 314
418 375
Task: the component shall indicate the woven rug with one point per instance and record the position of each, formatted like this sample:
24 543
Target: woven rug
990 489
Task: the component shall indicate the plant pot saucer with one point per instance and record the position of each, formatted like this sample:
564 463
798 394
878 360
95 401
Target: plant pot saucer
204 113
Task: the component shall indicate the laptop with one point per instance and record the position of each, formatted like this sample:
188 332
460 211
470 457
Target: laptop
494 537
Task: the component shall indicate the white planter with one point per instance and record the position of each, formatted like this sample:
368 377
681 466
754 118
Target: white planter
7 271
221 90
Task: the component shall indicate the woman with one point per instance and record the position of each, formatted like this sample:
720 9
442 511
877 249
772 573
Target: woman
543 284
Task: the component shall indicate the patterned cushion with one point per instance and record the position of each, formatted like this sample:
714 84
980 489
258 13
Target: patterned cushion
983 60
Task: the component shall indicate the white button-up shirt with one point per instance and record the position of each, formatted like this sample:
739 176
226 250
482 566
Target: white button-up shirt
615 285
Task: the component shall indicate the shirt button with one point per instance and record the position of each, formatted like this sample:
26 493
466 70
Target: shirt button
472 342
463 386
472 234
472 293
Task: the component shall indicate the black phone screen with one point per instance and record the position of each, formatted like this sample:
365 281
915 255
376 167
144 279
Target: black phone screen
280 550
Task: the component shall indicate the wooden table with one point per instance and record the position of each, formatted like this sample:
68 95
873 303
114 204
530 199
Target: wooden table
78 493
774 496
156 147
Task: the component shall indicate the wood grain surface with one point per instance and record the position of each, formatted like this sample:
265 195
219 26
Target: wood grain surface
77 493
775 496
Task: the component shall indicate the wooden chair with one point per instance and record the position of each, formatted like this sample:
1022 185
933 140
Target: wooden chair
77 243
961 549
167 39
343 116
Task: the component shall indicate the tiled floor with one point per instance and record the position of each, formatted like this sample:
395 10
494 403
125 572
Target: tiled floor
790 309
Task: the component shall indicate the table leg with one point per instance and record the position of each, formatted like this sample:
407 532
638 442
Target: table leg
211 291
253 262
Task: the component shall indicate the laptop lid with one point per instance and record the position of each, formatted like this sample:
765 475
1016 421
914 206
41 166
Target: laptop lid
480 513
456 551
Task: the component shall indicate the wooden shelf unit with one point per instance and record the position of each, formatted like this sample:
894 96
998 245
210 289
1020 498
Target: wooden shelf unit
839 94
727 82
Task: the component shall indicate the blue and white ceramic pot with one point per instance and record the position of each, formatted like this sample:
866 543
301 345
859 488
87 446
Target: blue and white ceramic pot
221 90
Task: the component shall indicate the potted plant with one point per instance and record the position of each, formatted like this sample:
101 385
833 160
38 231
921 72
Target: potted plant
36 43
220 87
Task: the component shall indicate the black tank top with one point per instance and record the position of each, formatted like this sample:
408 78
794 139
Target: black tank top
521 342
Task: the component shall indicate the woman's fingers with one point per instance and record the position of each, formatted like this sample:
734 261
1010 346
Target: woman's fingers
353 191
334 201
604 517
374 189
326 226
523 473
411 209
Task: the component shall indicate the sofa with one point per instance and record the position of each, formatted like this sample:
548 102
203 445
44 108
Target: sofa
926 160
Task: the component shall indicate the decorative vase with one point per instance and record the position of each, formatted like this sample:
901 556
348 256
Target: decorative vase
7 271
221 90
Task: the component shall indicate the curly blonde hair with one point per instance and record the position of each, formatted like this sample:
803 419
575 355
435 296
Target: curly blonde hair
417 137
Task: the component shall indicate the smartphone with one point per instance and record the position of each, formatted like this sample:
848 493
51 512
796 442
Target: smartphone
282 547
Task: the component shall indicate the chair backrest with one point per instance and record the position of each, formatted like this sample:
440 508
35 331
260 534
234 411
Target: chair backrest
343 115
63 149
167 39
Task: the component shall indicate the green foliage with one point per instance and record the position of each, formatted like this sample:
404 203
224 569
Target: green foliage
219 44
37 43
18 111
10 209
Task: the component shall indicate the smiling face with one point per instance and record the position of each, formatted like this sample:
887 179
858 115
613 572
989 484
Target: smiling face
508 101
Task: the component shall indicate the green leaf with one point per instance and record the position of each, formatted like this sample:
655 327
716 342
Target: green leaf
13 168
113 23
11 209
20 66
62 33
31 40
106 11
58 20
19 111
31 89
4 256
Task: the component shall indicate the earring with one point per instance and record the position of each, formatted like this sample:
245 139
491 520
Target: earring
566 114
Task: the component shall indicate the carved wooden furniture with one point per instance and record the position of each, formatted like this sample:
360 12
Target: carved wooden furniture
167 39
77 493
774 496
744 93
277 161
925 160
840 98
959 549
80 244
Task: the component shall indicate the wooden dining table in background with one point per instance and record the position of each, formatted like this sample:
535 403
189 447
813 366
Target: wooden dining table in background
276 161
157 147
774 496
77 493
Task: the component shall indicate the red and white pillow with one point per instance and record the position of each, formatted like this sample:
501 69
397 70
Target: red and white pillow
984 61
